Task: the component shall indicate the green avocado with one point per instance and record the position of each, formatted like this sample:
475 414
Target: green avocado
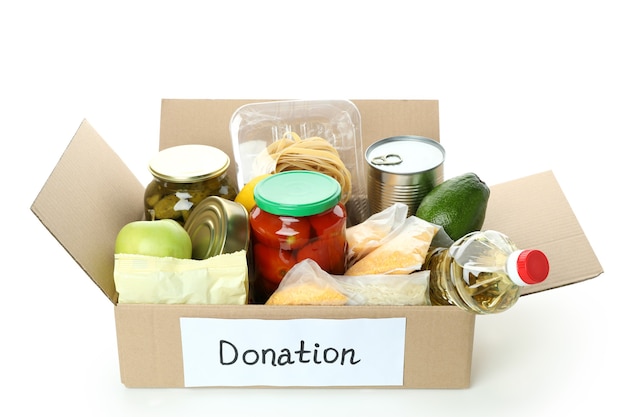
458 205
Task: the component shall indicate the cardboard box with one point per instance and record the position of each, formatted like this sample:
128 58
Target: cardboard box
91 192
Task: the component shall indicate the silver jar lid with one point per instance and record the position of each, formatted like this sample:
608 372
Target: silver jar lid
189 163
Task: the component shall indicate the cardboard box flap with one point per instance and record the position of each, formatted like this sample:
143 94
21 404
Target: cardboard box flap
534 213
207 121
86 200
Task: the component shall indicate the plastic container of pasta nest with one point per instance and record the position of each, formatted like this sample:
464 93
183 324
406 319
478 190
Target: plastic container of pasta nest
183 176
270 137
217 226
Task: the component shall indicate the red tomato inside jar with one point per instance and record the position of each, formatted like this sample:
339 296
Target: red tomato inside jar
297 216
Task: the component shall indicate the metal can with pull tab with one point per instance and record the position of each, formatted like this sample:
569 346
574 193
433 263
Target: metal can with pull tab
217 226
402 169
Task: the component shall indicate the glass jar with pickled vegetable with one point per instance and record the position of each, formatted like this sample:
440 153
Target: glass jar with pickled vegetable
297 216
183 176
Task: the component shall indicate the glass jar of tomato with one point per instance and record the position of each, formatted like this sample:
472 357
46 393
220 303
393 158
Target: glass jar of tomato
297 216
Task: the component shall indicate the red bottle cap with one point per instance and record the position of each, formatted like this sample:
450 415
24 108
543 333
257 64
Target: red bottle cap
532 266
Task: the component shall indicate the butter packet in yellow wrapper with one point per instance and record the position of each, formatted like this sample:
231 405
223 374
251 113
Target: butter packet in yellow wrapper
221 279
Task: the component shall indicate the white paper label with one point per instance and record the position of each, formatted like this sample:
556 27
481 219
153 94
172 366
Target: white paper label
299 352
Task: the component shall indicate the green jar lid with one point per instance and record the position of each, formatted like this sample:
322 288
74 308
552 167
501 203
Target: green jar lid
297 193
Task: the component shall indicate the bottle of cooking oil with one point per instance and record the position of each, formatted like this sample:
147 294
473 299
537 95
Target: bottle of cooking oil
483 272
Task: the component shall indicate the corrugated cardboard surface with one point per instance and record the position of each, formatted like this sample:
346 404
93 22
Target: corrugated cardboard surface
86 200
207 121
438 339
534 212
92 193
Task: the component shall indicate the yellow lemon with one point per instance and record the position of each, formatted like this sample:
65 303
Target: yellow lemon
246 196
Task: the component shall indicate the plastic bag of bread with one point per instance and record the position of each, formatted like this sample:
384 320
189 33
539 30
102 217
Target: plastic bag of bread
397 290
308 284
404 253
364 237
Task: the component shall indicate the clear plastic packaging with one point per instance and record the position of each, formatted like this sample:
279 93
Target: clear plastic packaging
308 284
254 127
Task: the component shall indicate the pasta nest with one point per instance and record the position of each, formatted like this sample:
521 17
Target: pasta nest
311 154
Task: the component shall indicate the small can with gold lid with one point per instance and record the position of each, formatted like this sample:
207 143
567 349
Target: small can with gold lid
218 226
183 176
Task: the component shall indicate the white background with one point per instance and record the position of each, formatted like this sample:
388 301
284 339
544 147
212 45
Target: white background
523 87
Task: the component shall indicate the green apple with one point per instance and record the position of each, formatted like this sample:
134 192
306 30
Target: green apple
161 238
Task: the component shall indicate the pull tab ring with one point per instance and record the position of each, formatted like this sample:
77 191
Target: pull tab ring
389 159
